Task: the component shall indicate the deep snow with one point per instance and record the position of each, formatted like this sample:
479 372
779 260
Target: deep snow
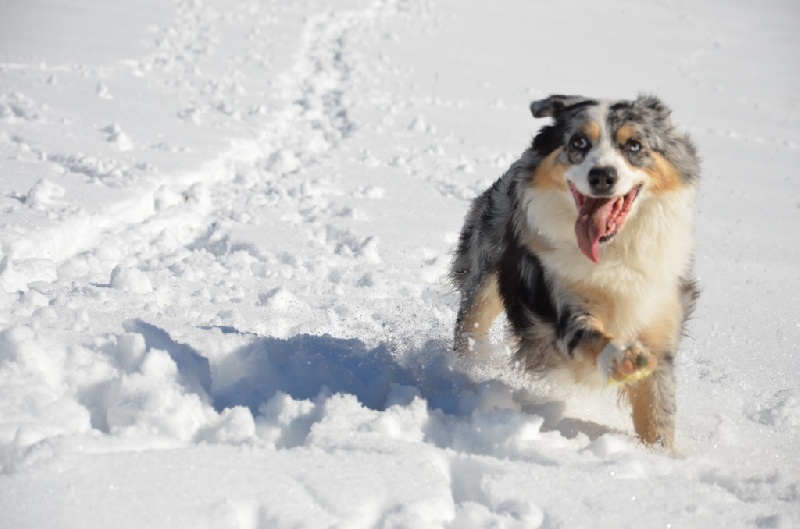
224 232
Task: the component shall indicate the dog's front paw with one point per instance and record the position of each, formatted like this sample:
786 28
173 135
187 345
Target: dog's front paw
619 364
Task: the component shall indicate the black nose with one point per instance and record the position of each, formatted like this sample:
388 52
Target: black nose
602 180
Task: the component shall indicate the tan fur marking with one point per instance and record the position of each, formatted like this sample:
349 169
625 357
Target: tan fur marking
643 413
584 364
664 333
598 303
595 345
488 305
549 174
625 133
664 177
592 131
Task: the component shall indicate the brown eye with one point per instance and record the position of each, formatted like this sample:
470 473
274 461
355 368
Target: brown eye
580 143
633 147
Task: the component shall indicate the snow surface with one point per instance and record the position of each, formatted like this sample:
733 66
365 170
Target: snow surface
223 234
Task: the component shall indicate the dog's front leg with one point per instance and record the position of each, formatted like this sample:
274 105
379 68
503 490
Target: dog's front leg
652 402
646 383
579 334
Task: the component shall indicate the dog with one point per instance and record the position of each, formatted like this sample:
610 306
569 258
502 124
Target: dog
586 243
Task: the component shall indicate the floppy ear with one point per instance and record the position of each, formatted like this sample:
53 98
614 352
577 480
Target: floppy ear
653 105
555 105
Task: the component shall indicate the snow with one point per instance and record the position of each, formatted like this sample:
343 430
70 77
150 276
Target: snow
224 235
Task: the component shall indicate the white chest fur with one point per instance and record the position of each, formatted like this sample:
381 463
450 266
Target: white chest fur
639 270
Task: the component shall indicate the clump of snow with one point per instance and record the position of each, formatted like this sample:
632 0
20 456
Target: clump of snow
43 194
130 279
118 138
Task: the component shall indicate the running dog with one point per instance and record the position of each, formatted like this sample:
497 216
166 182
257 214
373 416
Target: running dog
586 243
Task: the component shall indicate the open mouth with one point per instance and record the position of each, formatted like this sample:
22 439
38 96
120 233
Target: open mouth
600 218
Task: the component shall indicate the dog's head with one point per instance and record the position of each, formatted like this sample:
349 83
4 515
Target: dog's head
609 155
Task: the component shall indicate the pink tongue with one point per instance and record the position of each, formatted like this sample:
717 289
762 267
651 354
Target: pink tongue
592 225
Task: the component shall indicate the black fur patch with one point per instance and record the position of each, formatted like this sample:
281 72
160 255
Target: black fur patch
548 139
556 105
523 287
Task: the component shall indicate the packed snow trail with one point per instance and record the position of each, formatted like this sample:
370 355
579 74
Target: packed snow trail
224 233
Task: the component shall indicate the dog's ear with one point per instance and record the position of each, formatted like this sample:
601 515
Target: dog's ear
554 105
653 105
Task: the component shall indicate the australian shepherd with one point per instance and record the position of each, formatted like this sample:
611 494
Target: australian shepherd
586 243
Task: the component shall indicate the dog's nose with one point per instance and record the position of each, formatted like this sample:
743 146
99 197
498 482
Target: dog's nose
602 180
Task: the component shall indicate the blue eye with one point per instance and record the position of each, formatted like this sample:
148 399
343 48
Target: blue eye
580 143
633 146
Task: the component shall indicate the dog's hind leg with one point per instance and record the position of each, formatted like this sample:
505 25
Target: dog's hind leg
652 401
479 308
